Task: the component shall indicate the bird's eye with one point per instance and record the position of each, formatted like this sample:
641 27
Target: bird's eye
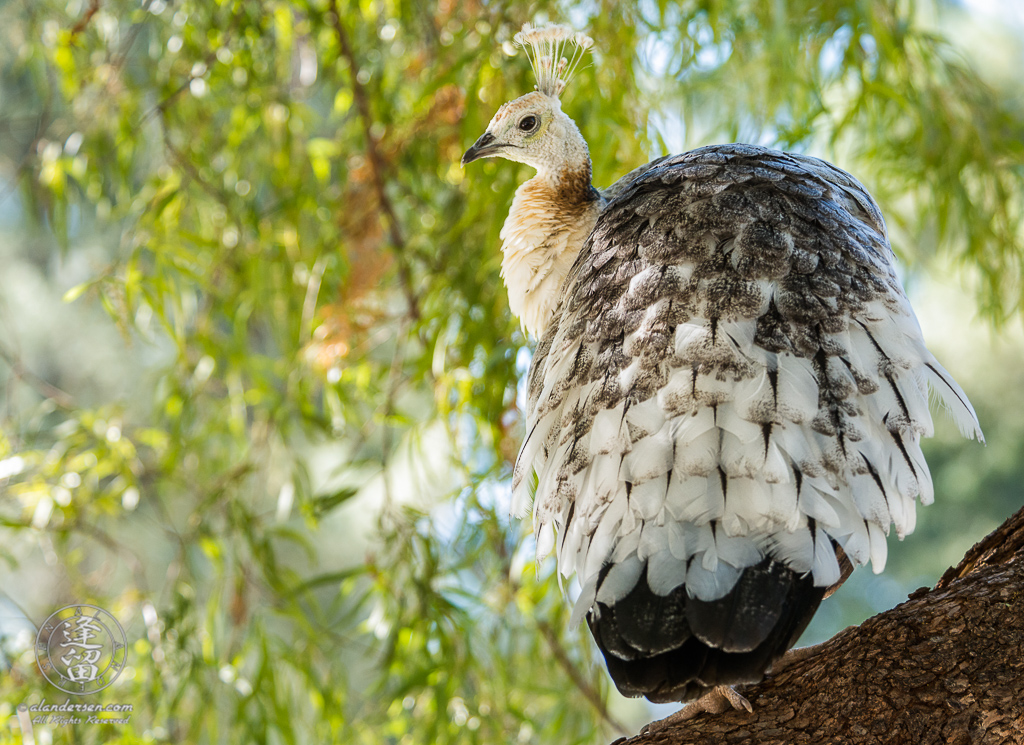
528 123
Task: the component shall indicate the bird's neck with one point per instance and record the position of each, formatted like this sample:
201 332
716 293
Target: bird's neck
551 216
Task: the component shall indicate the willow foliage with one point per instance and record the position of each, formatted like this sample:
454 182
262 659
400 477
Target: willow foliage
280 453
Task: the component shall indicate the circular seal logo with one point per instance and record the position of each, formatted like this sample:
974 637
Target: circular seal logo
81 649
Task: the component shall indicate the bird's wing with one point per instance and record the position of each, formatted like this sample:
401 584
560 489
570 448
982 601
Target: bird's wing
733 374
623 183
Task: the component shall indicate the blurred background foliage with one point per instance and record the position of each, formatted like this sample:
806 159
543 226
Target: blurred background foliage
260 378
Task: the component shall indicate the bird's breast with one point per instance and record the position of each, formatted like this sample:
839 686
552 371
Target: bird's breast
541 238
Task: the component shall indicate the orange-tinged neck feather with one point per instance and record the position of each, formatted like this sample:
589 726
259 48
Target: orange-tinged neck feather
550 219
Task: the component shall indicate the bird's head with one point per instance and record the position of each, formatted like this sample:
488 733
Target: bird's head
532 129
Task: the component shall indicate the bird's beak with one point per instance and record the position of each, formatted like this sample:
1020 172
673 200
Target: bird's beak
481 148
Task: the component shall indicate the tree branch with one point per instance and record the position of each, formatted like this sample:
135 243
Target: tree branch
79 27
947 666
377 164
589 692
41 386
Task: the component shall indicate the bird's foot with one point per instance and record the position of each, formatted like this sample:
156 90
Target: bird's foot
716 701
792 656
795 655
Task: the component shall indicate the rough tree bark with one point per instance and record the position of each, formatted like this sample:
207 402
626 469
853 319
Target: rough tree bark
946 666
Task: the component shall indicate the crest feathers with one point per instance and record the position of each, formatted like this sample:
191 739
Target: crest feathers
545 46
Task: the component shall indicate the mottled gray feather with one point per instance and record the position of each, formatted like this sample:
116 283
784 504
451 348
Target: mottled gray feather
732 354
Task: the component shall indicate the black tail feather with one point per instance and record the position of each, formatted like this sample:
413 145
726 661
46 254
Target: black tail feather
675 648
